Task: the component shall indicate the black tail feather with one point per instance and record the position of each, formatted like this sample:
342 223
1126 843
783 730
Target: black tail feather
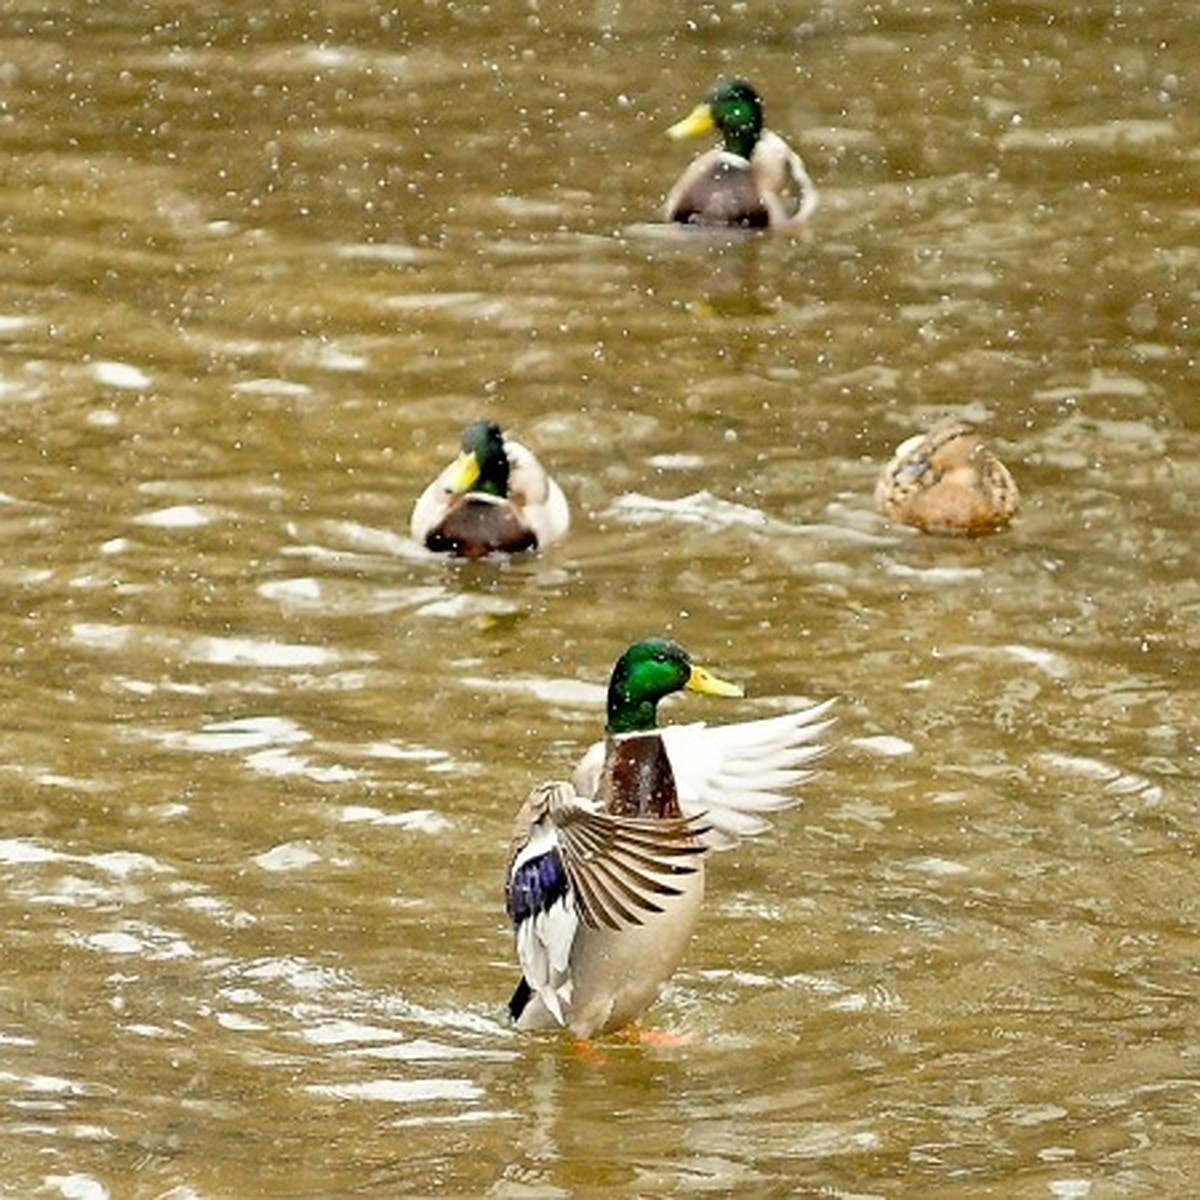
520 998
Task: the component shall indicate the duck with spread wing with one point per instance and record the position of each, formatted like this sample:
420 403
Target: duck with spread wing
606 872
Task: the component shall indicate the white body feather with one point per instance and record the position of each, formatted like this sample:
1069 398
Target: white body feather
612 975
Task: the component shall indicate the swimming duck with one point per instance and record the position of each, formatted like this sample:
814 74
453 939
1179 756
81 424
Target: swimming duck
947 481
494 496
755 179
606 873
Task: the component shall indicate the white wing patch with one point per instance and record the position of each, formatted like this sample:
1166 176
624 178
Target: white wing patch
545 937
544 944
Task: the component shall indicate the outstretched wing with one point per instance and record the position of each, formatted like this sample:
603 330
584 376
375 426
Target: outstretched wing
732 774
572 865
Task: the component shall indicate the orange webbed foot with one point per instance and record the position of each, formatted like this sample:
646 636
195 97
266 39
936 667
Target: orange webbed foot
655 1037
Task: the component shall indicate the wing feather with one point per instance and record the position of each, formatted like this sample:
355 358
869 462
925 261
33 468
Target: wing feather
621 863
733 773
572 865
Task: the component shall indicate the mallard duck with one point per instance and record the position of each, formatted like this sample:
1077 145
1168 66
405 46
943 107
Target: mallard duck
606 873
947 481
755 179
494 496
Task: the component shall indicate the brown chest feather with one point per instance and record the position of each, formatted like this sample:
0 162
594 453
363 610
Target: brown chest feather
473 528
727 195
637 780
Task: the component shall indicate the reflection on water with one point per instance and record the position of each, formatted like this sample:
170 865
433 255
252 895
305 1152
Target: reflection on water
261 753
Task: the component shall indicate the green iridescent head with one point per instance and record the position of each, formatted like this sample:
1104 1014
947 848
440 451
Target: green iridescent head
482 466
648 671
732 108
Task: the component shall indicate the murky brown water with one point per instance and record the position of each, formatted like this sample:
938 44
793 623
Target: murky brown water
260 755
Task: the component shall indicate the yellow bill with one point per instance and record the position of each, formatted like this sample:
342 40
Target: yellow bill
465 474
697 123
704 681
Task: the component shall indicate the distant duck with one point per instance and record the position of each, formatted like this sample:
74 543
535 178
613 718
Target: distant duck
754 180
606 873
947 481
495 496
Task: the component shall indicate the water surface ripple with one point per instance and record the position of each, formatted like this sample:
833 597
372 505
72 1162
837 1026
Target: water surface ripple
260 753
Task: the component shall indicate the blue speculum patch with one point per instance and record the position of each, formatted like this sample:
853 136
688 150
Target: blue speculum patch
536 885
